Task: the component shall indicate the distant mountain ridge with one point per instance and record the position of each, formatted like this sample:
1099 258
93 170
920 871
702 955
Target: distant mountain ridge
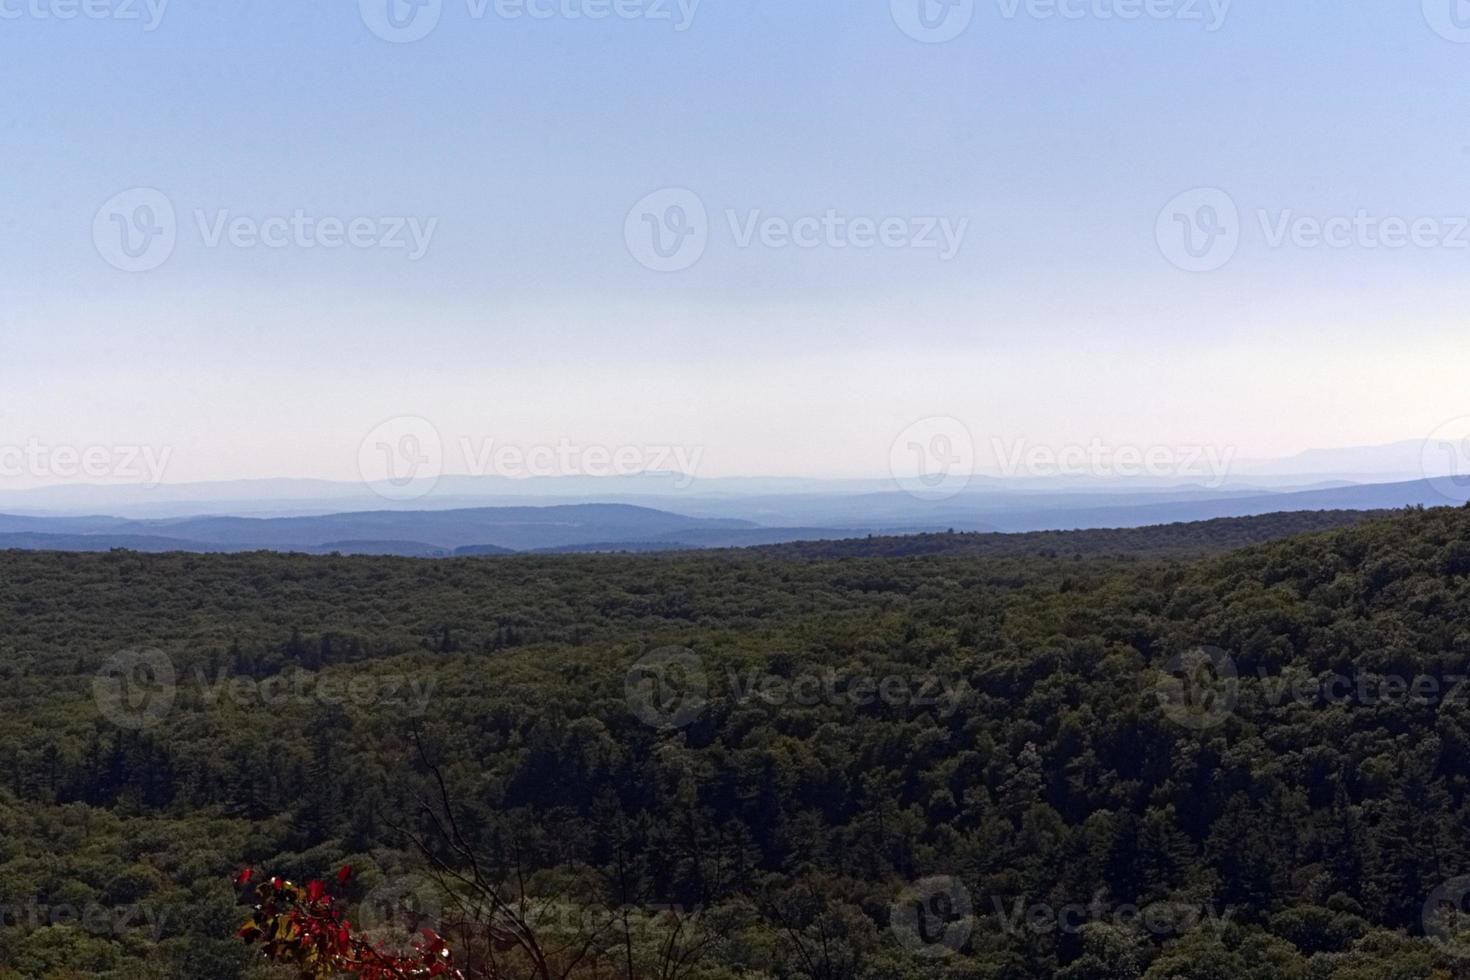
1402 461
489 530
705 524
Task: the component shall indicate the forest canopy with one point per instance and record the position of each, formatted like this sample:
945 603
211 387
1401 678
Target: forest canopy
1187 752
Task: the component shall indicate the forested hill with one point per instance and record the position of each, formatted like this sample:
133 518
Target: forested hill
1194 538
955 766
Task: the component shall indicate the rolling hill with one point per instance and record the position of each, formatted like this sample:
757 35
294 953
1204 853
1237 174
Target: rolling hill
683 523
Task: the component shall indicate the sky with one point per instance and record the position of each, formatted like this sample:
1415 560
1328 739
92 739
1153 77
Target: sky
272 237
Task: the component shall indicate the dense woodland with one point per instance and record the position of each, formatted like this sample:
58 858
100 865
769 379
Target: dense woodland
794 835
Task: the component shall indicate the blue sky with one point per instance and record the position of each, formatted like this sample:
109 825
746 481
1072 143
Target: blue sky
520 145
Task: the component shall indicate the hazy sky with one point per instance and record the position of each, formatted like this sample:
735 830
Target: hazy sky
252 232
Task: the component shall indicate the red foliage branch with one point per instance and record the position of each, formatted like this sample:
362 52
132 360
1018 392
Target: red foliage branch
307 929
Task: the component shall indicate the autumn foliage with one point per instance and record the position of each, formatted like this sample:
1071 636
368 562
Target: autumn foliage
306 928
